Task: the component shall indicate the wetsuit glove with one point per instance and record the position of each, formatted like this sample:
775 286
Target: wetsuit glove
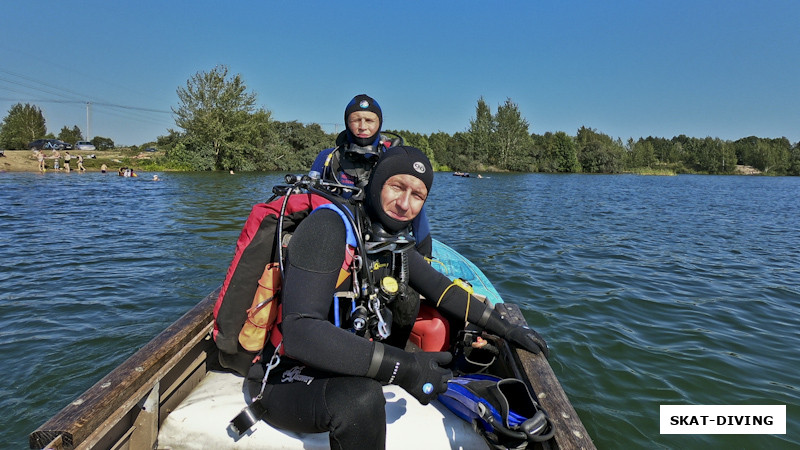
528 339
421 373
518 335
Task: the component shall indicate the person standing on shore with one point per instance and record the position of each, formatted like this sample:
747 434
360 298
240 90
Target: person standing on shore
80 164
67 157
40 158
56 155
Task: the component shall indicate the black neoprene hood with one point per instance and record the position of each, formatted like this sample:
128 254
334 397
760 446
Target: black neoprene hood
362 102
403 160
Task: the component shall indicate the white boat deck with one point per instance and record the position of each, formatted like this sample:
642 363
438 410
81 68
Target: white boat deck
201 422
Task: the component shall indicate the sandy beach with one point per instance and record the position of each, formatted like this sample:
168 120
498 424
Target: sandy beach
20 161
25 161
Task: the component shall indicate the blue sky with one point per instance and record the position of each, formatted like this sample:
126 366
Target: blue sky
726 69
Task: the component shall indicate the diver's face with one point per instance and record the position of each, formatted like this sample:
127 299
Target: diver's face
402 197
363 124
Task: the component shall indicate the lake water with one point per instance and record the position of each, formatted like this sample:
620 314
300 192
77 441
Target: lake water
649 290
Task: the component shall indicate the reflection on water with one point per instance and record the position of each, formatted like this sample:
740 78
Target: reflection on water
649 290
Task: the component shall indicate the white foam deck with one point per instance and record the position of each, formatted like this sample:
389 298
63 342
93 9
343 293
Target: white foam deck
201 422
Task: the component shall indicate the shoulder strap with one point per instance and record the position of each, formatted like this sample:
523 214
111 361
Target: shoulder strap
348 225
319 162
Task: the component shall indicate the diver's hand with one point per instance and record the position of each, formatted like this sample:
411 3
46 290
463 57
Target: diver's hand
421 374
528 339
425 378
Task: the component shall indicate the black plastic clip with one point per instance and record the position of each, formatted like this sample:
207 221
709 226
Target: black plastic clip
247 418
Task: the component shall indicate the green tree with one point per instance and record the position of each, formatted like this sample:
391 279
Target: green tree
560 153
510 137
419 141
293 146
743 148
725 156
794 160
102 143
718 157
536 154
641 154
71 136
458 152
772 156
23 124
710 155
776 155
480 142
246 149
598 153
440 146
665 151
222 128
191 153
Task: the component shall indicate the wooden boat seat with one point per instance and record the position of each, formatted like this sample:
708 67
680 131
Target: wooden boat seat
201 421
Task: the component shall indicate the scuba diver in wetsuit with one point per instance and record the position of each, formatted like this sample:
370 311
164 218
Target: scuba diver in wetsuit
330 377
357 150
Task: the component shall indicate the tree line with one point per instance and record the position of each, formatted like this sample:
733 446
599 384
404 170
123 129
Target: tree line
219 127
500 141
26 123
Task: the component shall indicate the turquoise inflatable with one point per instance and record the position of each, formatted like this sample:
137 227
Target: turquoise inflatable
454 265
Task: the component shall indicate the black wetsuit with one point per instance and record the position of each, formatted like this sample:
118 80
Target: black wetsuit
320 384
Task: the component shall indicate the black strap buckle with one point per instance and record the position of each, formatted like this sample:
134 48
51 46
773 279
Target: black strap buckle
249 416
